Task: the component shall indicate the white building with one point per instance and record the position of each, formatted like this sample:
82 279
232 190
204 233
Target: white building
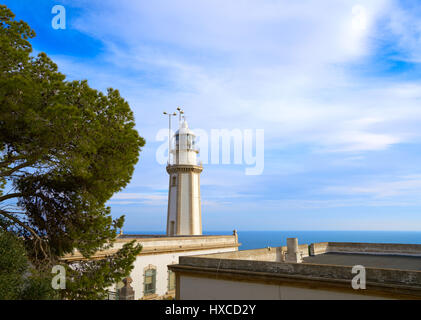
320 271
150 276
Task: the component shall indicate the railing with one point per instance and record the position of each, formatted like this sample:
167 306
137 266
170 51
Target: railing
113 295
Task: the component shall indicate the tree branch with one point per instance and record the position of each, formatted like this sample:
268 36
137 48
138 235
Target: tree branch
10 196
11 160
23 225
14 169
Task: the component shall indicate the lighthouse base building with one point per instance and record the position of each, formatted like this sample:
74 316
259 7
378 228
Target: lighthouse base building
150 277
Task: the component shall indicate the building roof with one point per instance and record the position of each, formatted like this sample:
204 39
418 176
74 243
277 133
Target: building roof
158 244
401 262
184 129
392 270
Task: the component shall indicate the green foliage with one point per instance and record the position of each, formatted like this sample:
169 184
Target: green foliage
65 149
97 275
13 263
17 279
38 287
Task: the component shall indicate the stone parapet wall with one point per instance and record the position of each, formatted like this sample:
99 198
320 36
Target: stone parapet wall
162 244
387 277
369 248
264 254
187 242
319 248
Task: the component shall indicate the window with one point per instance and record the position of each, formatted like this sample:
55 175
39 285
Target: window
190 141
149 281
171 280
174 181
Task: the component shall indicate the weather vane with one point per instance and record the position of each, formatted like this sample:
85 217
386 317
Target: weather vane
169 132
180 112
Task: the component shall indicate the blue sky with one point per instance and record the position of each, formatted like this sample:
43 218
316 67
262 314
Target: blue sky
335 85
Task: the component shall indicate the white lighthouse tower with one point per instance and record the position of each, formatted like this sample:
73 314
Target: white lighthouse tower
184 215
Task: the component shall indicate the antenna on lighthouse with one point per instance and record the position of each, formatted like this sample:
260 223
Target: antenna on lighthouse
169 132
180 112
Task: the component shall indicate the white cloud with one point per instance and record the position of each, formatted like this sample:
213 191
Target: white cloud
308 204
125 198
298 69
131 196
405 188
404 26
281 66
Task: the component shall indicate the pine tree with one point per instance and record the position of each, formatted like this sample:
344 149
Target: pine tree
65 149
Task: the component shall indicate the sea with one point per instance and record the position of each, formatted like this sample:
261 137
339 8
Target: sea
262 239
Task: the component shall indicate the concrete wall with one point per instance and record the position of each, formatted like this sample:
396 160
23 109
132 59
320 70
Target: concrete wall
310 271
265 254
302 248
158 243
160 262
214 289
263 274
319 248
160 252
371 248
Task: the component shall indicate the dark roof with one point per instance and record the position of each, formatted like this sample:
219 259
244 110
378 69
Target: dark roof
367 260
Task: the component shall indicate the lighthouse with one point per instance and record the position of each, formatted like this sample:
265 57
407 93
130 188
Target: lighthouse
184 216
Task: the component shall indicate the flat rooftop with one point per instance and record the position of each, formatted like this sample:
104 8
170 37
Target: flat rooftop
400 262
164 236
158 244
392 270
